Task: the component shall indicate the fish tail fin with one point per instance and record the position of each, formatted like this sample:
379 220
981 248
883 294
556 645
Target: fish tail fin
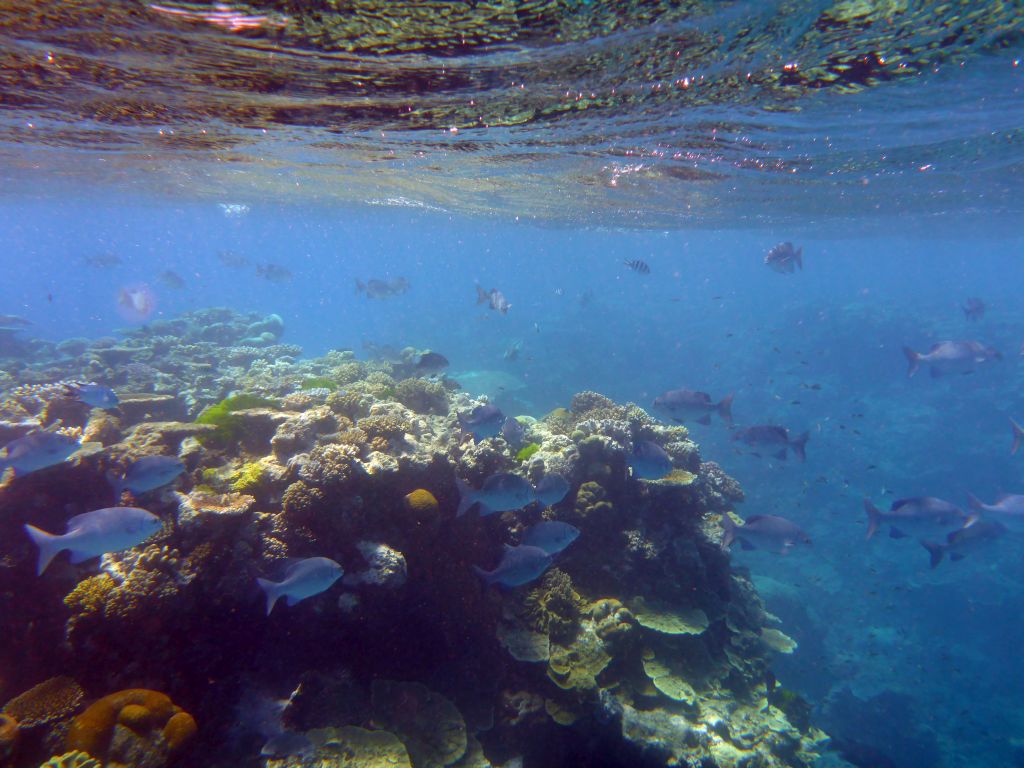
913 361
485 575
799 446
935 552
466 497
1018 435
49 545
975 503
725 408
798 257
874 518
728 529
482 296
270 589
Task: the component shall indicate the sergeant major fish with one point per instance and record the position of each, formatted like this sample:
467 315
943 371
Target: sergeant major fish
502 492
519 565
304 578
37 450
770 532
95 533
925 512
951 357
682 404
771 436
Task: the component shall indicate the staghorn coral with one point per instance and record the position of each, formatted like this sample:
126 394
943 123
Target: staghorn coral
52 699
131 726
422 396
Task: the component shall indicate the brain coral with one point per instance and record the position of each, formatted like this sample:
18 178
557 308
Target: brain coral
129 722
51 700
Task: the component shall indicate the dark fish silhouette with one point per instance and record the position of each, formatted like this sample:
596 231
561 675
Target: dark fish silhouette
682 404
232 259
772 436
103 260
382 289
974 308
275 273
922 512
964 540
771 532
171 279
784 258
493 298
638 265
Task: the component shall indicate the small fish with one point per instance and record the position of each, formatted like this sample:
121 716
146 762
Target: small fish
274 273
95 533
974 308
638 265
93 395
551 489
493 298
501 492
771 436
37 450
551 535
519 565
232 259
682 404
951 357
962 541
303 579
382 289
770 532
511 353
1018 436
513 432
103 260
482 422
923 512
430 363
784 259
233 210
171 279
1007 509
146 474
648 460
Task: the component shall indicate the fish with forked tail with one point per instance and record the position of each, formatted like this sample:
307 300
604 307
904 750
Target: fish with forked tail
502 492
962 541
95 533
1007 509
923 512
771 436
951 357
770 532
304 578
682 404
519 565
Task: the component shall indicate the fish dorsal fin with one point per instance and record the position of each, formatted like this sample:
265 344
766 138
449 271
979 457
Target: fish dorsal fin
77 520
753 519
292 564
935 347
899 503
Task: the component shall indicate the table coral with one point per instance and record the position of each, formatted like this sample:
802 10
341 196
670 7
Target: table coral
50 700
135 727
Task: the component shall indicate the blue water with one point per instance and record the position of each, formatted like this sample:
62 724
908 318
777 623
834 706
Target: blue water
922 665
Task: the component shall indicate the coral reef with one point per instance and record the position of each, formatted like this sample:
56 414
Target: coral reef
641 635
72 760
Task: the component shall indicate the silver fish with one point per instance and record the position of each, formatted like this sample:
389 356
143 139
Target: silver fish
95 533
951 357
682 404
1007 509
303 579
925 512
770 532
959 543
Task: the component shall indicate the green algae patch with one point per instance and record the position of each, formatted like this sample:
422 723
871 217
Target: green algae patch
527 451
251 478
223 417
319 382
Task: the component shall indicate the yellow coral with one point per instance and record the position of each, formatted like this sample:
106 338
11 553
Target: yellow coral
422 503
137 708
251 478
72 760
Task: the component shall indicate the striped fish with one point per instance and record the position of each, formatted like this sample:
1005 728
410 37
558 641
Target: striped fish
637 265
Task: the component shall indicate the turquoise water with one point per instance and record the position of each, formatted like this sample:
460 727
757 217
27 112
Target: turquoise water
905 196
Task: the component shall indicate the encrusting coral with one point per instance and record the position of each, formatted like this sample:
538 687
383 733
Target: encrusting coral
50 700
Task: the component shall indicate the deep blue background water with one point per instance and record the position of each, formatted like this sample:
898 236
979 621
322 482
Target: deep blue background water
931 655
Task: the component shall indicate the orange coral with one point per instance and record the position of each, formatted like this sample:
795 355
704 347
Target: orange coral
137 709
421 502
51 700
8 736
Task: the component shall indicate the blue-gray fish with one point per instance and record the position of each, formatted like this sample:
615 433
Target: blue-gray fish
37 450
1018 436
771 436
961 542
951 357
925 513
519 565
303 579
551 535
94 395
482 422
493 298
683 404
784 258
551 489
146 474
1007 509
771 532
95 533
501 492
513 432
649 461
